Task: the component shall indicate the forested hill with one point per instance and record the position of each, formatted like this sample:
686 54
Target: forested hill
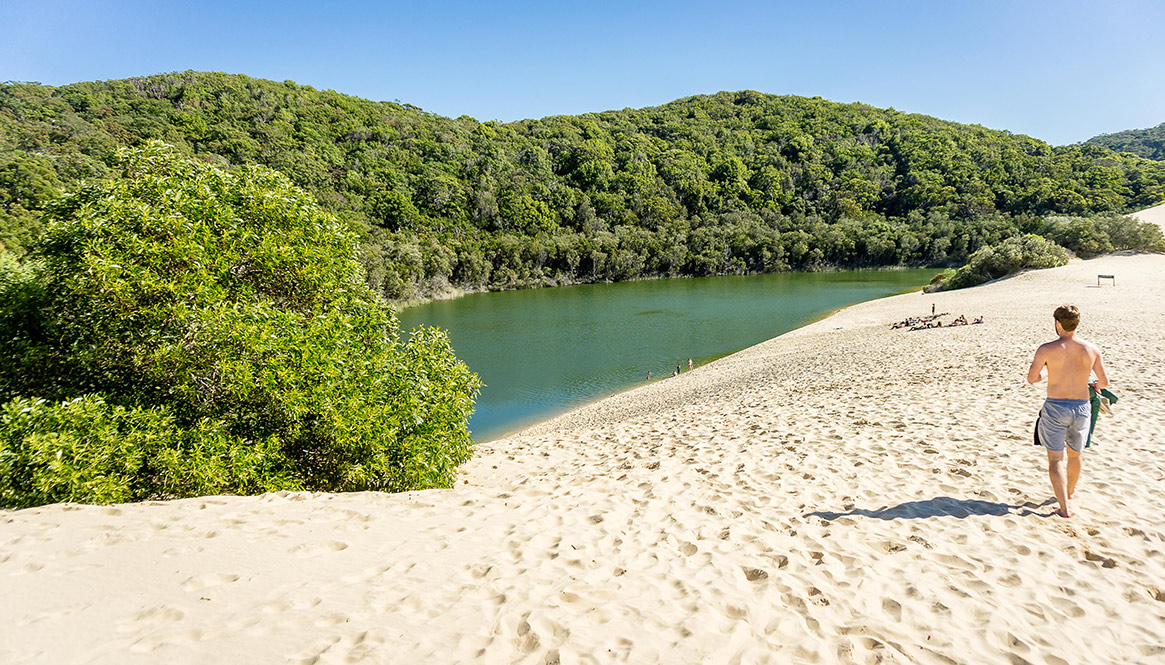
1148 143
732 182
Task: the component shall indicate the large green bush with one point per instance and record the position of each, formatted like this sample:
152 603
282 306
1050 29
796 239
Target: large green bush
226 316
1012 255
1100 234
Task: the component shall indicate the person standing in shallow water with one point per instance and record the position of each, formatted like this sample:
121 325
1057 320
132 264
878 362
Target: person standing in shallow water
1063 424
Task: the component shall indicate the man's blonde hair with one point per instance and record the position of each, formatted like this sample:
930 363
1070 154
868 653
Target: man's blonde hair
1068 316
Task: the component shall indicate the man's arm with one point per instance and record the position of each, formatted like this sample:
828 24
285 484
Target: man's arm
1101 376
1039 368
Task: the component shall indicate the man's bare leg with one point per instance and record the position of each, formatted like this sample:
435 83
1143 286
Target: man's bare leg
1058 472
1074 463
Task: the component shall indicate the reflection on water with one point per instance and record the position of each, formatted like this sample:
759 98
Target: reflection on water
545 351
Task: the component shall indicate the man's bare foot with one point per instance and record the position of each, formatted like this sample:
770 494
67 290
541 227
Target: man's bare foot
1062 512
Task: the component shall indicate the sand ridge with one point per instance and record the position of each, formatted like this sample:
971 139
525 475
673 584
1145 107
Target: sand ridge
1154 215
844 493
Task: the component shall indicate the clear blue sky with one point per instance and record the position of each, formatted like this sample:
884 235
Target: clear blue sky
1058 71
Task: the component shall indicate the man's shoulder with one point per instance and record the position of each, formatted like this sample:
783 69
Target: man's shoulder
1090 346
1050 346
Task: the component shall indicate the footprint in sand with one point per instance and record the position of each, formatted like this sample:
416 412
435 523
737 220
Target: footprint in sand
200 582
332 619
755 574
182 550
921 541
151 616
1104 561
55 613
890 547
893 608
1068 607
307 550
147 644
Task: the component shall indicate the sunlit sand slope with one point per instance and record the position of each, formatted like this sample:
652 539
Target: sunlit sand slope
845 493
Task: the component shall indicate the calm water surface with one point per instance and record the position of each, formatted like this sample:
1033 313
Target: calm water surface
541 352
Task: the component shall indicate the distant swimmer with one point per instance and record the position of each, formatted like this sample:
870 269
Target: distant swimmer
689 363
648 375
678 369
1064 420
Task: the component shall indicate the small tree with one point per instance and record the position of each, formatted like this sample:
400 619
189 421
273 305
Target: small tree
235 312
1010 256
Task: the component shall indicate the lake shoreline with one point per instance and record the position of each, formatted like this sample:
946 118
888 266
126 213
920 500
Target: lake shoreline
543 352
825 315
450 291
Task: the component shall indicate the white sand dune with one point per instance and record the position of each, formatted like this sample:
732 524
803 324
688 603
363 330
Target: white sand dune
845 493
1154 215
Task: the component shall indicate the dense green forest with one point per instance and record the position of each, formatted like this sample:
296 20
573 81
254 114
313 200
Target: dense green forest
1148 143
727 183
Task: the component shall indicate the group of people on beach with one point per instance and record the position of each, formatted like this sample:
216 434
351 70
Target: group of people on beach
932 321
962 321
917 322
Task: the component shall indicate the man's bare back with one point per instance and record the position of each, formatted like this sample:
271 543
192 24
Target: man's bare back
1068 362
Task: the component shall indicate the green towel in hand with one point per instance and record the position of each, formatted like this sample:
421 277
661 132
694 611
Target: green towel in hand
1094 397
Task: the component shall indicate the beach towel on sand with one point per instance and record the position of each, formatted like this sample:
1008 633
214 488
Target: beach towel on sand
1094 398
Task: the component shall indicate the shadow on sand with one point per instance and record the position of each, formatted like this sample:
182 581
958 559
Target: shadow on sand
940 506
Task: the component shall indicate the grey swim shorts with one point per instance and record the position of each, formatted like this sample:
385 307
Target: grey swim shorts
1064 421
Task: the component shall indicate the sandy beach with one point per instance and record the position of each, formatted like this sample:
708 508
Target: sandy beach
844 493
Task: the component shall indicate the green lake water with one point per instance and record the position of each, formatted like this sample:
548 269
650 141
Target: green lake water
542 352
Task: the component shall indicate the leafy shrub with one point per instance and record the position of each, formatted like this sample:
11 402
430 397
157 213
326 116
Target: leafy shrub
84 449
939 281
1012 255
1092 236
234 310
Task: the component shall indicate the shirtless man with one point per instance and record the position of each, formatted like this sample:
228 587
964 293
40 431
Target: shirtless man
1067 413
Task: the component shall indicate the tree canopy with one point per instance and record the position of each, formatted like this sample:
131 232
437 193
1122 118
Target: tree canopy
726 183
184 330
1148 143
